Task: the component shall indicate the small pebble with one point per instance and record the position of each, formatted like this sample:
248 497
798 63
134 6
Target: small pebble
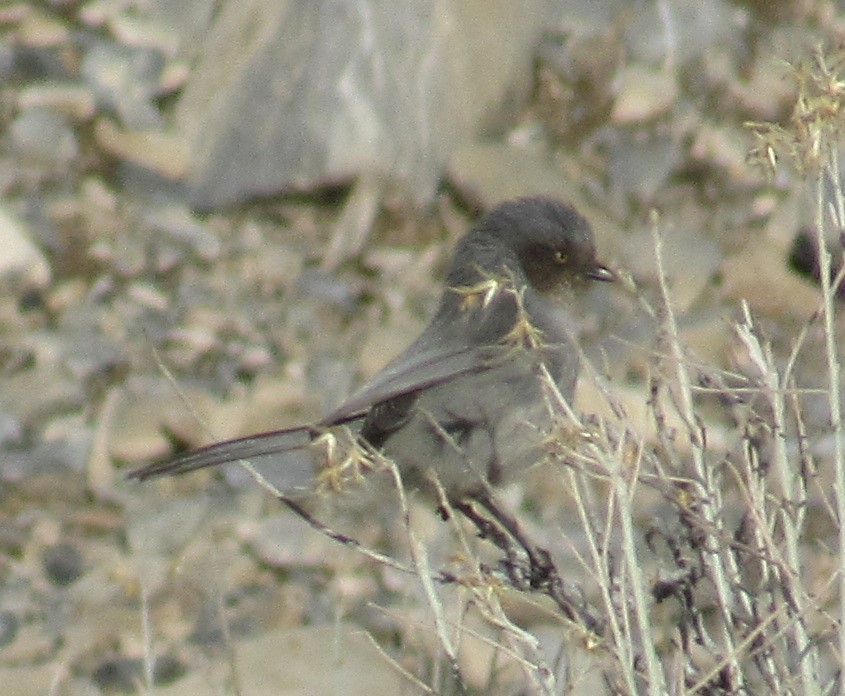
63 563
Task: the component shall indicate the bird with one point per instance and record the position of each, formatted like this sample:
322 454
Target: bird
468 403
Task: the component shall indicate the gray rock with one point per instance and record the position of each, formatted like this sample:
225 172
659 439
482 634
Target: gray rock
676 31
175 220
495 172
289 94
43 134
126 80
21 258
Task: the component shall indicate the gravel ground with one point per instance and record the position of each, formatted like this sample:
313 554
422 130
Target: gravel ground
141 315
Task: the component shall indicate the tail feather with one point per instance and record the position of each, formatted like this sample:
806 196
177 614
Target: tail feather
250 447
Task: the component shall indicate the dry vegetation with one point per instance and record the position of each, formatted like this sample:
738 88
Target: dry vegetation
696 564
684 536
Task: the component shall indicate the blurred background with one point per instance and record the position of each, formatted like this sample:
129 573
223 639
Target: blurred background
220 217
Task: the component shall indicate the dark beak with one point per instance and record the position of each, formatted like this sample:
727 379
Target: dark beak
601 273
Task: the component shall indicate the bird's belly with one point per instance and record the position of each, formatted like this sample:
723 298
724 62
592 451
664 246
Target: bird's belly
479 430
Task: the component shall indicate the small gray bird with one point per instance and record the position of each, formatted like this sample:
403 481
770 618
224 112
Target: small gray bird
469 400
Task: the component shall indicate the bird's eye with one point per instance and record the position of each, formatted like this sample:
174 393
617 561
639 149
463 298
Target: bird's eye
561 257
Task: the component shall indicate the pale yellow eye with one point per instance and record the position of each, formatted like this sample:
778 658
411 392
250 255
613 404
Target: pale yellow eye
560 257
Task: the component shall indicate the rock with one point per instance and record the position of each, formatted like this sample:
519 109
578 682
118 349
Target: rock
9 624
682 240
316 660
135 424
641 163
43 134
125 80
37 29
643 95
676 32
70 98
177 221
20 259
161 528
759 276
496 172
63 563
165 153
283 540
725 148
336 89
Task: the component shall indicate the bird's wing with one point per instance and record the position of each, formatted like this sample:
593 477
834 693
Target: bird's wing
459 340
411 373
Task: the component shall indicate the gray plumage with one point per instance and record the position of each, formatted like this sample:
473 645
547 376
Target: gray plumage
467 398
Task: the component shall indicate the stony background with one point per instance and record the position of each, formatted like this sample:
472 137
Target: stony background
225 208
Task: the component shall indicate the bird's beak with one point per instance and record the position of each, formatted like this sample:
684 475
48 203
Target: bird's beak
602 273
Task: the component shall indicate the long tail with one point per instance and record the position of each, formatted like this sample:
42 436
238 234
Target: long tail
250 447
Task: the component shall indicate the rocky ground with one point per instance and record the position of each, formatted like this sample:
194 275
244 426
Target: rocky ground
132 326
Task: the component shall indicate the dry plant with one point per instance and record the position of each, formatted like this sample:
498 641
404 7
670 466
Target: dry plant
754 592
697 571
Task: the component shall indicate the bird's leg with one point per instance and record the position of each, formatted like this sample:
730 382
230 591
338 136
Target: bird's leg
542 575
494 531
539 560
